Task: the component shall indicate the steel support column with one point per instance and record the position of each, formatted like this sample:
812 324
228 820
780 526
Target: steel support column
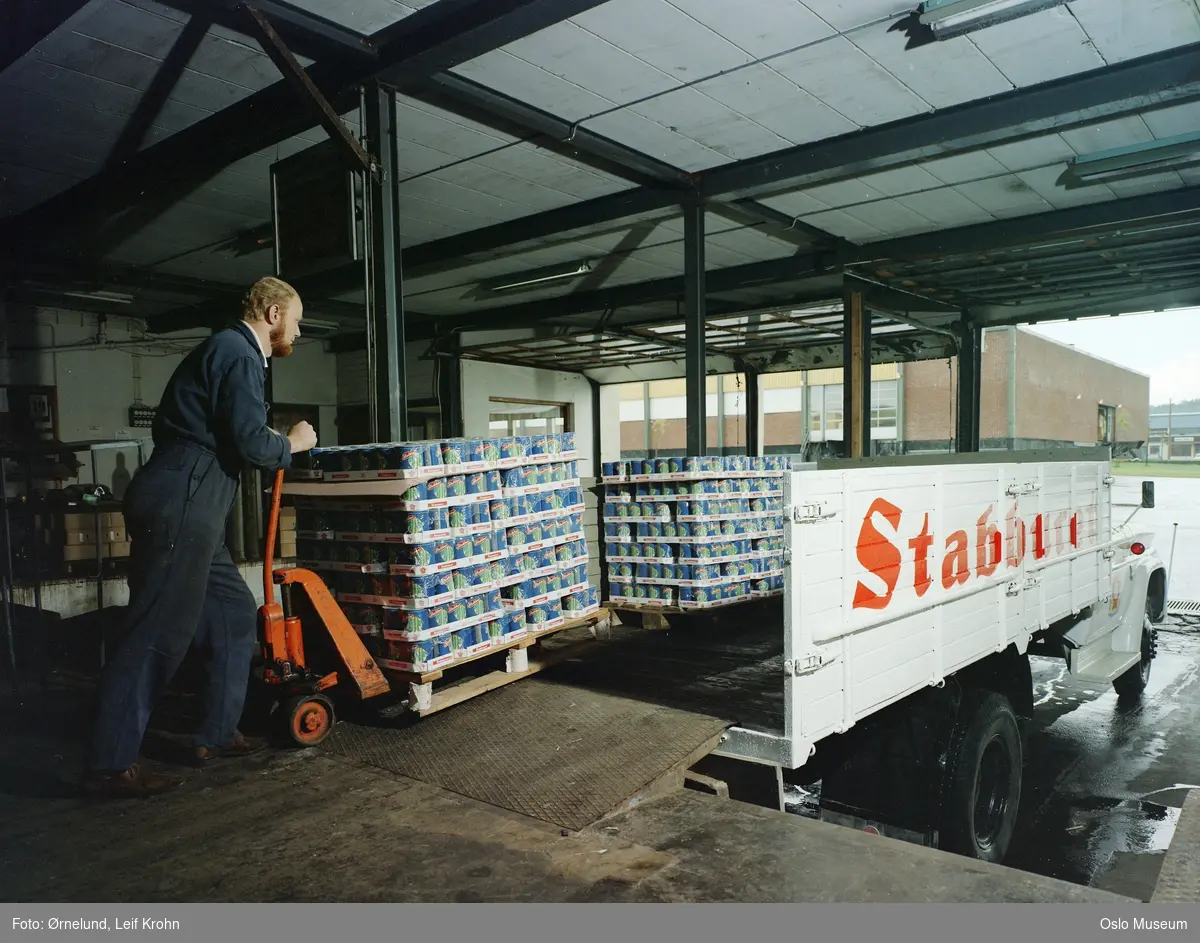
970 350
449 386
385 294
856 377
597 469
753 428
694 296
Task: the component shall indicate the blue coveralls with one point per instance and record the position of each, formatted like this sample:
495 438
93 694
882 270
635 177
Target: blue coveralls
183 585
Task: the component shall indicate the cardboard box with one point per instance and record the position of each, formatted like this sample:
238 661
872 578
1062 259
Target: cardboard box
83 538
109 550
79 538
86 520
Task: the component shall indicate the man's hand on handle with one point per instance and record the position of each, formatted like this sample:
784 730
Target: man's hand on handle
302 436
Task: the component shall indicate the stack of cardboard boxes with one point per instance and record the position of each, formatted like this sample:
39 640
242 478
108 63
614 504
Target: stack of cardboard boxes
84 530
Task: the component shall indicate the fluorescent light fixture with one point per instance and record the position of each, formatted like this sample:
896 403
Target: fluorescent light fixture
538 277
950 18
1135 160
315 327
113 296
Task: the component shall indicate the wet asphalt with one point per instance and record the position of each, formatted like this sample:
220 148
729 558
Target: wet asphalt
1104 782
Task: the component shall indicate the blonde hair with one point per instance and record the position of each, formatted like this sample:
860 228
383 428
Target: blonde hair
264 293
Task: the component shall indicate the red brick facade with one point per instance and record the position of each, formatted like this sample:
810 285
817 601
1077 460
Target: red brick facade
1058 390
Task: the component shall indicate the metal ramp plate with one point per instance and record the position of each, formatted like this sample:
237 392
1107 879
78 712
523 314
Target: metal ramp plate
554 752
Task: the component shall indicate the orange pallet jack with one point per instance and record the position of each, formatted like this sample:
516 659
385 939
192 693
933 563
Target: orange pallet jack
305 693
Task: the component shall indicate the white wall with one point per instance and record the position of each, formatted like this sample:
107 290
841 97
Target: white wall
480 381
308 377
97 383
70 598
610 422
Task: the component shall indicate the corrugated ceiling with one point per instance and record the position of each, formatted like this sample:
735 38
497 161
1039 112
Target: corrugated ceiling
695 84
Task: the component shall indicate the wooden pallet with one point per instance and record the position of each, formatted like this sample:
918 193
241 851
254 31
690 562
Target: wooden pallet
655 618
534 656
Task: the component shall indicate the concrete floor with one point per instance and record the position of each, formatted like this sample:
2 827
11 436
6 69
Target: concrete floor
302 825
1101 805
1104 783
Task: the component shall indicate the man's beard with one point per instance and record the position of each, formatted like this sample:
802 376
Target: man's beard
279 347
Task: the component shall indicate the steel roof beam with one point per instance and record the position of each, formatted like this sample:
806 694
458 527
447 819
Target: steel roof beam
532 313
1129 87
306 34
1047 270
1136 299
1107 251
1023 230
1047 281
431 40
501 112
1091 285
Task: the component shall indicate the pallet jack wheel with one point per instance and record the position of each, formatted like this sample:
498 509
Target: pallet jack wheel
310 718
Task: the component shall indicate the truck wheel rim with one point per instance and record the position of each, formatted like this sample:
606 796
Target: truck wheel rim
992 791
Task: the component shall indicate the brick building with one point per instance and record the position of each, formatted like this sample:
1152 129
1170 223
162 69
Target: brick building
1035 393
1174 434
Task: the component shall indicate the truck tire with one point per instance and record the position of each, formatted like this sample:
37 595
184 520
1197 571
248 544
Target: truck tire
1132 683
982 779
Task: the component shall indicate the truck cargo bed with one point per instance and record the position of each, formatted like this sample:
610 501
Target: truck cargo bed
727 665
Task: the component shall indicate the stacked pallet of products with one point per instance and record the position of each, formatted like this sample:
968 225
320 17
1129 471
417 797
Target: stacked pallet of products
693 532
484 545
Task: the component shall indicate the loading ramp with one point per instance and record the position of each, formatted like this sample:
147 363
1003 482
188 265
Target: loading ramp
555 752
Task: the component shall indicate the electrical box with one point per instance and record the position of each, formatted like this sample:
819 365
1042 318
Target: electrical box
141 417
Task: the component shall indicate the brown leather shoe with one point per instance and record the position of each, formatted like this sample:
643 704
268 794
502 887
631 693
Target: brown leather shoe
241 746
137 782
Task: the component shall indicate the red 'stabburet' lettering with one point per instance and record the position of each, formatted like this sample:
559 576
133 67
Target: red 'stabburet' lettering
891 539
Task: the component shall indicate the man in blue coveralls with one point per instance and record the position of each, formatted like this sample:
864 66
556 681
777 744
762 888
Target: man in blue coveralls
183 585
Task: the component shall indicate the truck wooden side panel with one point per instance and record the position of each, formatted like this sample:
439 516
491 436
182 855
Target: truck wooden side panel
900 576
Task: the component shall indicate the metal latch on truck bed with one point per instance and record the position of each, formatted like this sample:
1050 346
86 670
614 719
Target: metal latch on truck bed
811 513
1028 487
808 663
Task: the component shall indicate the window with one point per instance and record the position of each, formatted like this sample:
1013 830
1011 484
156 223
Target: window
1106 425
816 406
782 403
513 417
884 404
833 407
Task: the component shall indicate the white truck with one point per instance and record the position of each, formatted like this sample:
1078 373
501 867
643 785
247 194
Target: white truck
917 588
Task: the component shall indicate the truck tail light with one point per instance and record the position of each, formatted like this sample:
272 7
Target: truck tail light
1138 548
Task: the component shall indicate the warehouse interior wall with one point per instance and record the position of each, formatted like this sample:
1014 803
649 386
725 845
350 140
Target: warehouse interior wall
99 368
610 422
481 382
353 385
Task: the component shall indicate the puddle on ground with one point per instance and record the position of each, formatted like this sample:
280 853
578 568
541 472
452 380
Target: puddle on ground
802 800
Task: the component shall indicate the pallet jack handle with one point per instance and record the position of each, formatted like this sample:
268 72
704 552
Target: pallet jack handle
272 531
